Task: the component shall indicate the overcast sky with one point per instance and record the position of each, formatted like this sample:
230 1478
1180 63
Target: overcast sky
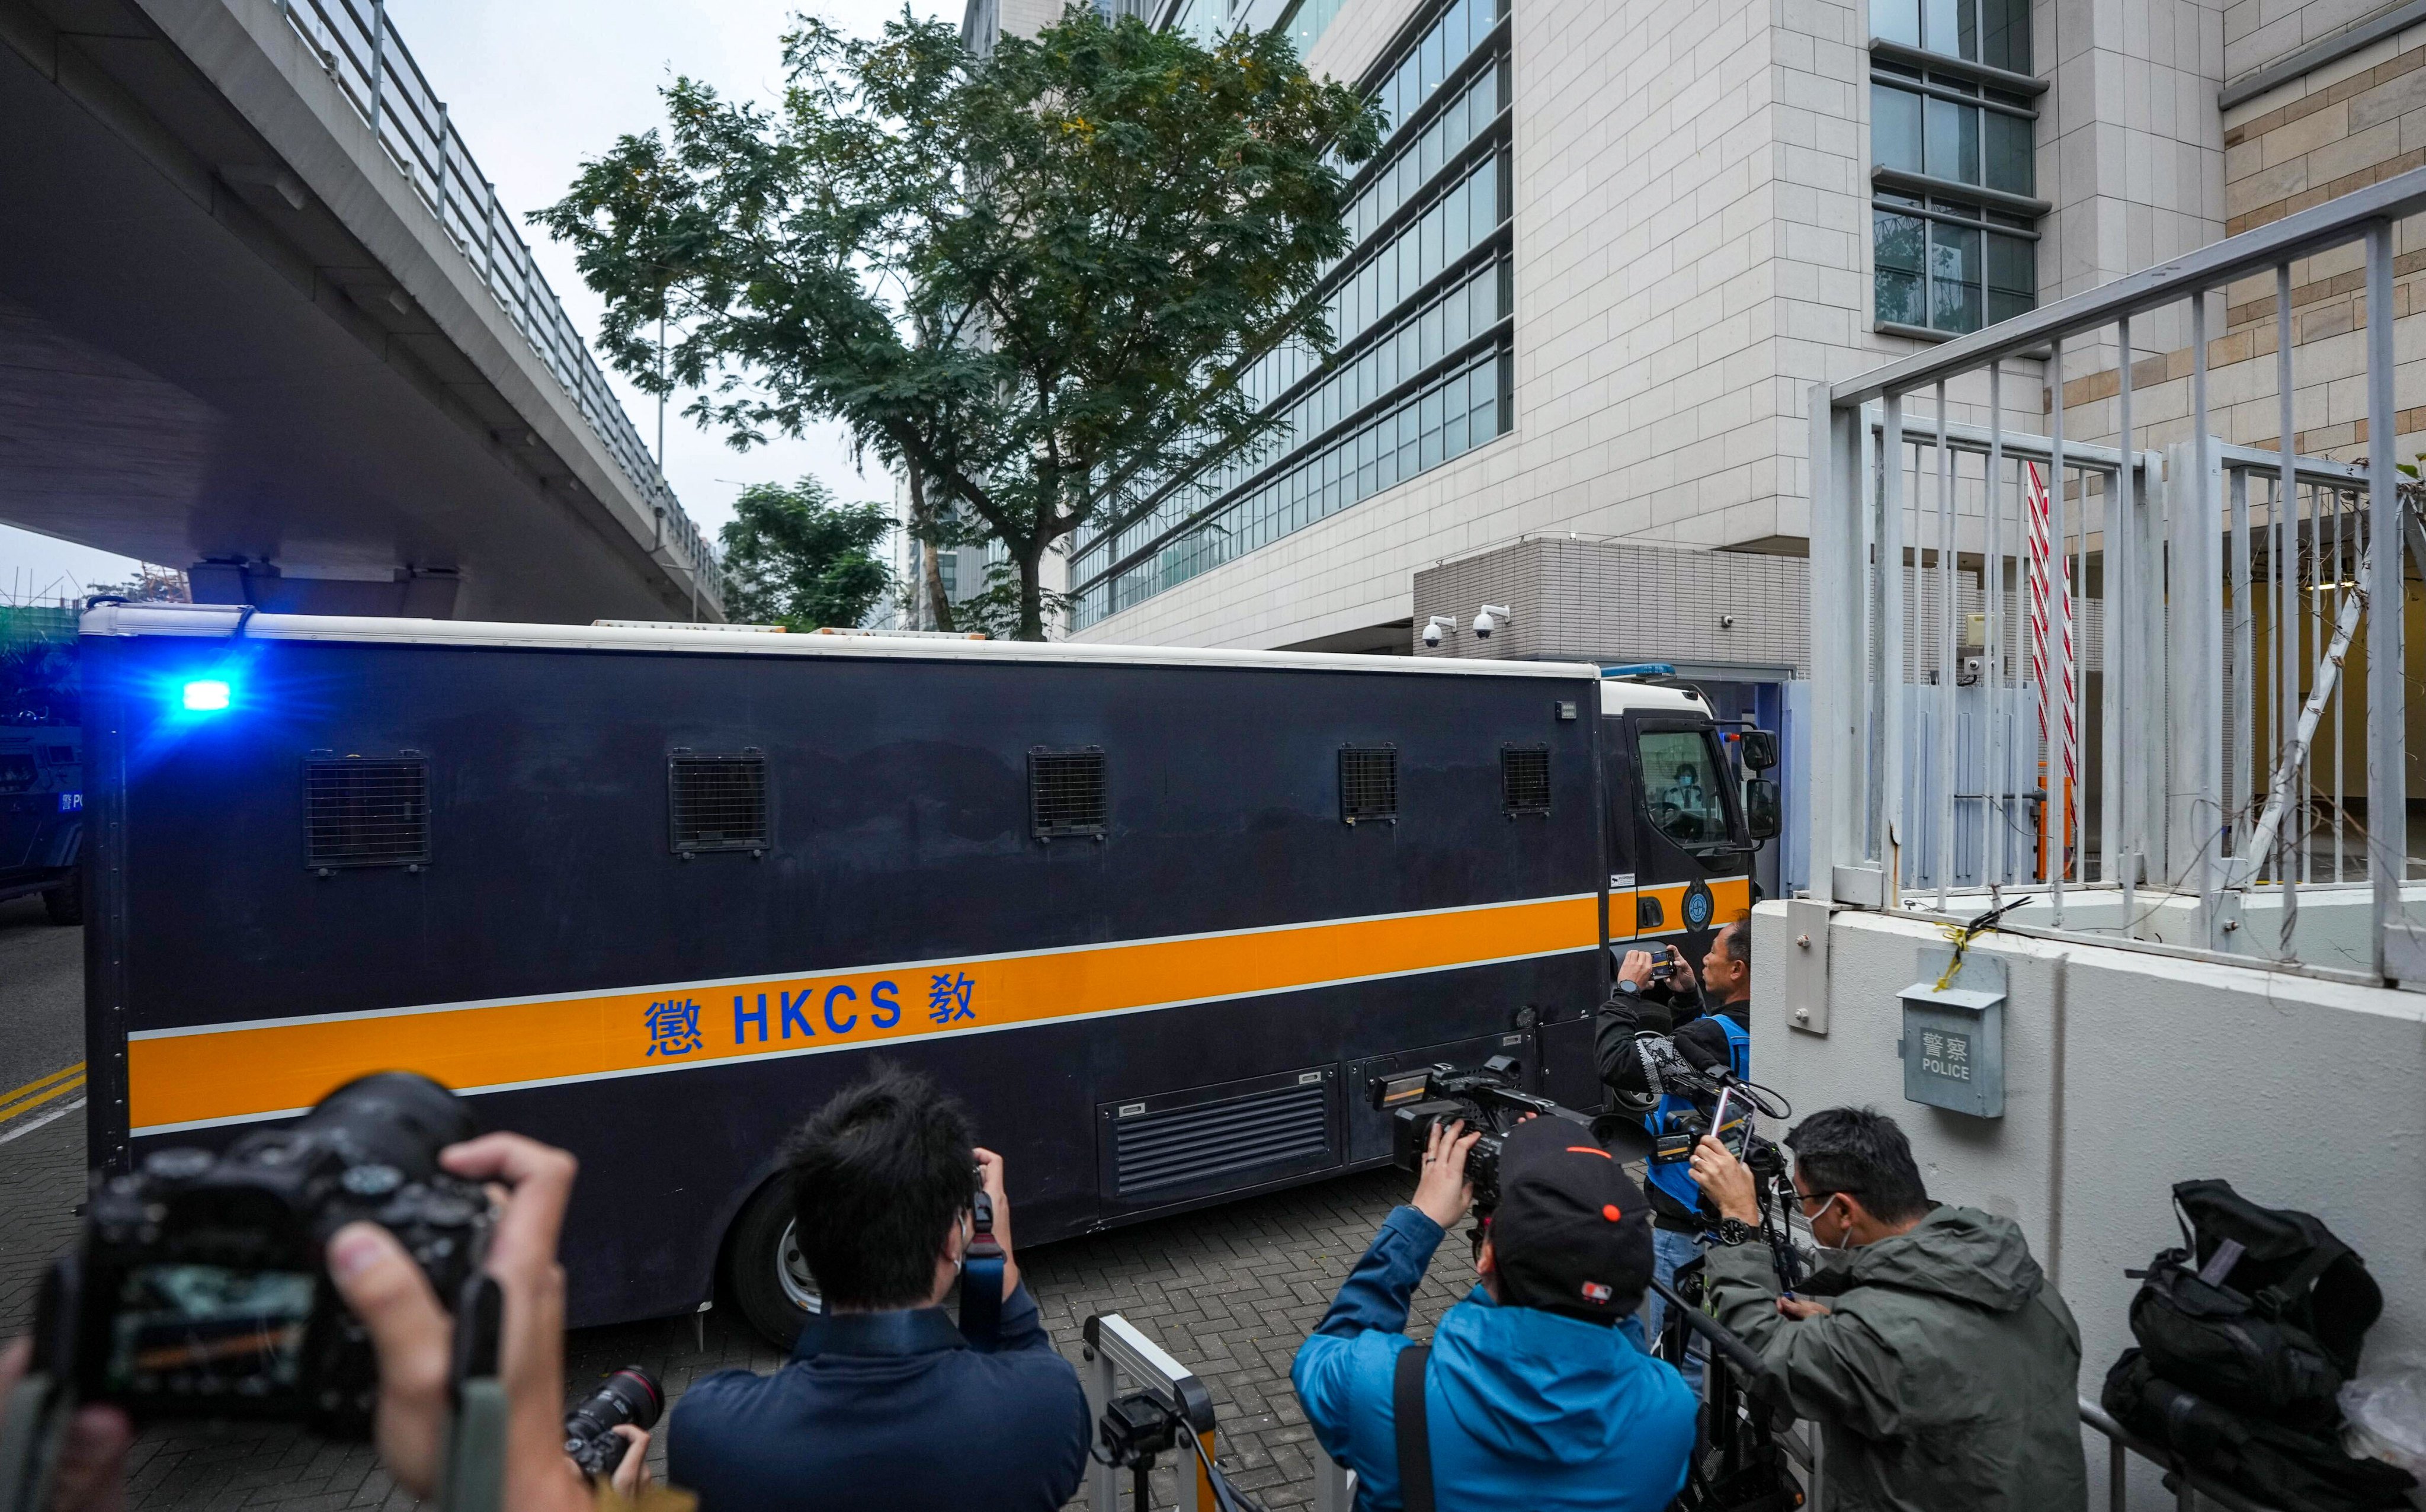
535 87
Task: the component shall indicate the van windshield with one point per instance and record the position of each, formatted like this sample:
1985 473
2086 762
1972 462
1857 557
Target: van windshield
1680 786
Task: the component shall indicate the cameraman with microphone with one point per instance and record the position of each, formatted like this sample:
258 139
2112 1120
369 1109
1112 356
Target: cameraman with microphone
1709 1022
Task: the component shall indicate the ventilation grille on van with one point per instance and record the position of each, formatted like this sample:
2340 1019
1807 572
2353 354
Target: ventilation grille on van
718 802
1525 779
1230 1143
361 813
1065 792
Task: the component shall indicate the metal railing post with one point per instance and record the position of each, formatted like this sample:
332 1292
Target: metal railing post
1940 807
378 65
443 166
2397 953
1888 766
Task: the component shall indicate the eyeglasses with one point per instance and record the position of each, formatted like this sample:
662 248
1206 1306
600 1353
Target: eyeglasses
1806 1198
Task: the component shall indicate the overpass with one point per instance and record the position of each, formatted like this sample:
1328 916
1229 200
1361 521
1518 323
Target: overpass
260 313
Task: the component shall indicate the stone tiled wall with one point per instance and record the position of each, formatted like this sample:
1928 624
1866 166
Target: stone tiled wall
1692 229
2259 32
2343 126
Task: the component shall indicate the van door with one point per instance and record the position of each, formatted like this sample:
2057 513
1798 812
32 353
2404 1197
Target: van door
1618 823
1693 861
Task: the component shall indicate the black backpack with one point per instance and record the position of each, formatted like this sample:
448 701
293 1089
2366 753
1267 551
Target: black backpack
2272 1465
2262 1312
2246 1333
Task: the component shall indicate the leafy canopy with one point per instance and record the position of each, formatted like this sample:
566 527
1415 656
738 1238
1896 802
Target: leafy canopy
792 556
1037 276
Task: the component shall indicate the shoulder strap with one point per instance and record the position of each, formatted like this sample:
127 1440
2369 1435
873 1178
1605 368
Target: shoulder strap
2292 1287
1415 1432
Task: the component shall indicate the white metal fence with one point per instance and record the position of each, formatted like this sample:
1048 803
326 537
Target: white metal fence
359 49
2196 763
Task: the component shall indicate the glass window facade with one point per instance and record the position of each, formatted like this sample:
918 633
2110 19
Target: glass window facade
1942 263
1994 32
1422 308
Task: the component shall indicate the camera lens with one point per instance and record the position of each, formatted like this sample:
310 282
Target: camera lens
396 1118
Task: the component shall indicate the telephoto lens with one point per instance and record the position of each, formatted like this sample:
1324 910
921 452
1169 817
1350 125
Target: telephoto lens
630 1395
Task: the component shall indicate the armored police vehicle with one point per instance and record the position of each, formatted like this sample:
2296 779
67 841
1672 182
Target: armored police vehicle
1158 916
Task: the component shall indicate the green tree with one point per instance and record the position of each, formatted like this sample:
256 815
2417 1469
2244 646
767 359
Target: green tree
1038 278
793 557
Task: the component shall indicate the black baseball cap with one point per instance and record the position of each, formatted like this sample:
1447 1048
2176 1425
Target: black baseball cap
1573 1233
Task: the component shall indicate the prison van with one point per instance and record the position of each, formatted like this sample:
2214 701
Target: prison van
1160 917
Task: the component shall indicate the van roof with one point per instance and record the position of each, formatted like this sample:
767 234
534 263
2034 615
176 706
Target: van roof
215 621
1619 695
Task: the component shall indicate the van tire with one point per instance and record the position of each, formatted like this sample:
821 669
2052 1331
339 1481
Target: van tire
762 1270
64 904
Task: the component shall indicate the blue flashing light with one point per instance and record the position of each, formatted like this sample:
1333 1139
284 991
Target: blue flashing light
206 695
1640 669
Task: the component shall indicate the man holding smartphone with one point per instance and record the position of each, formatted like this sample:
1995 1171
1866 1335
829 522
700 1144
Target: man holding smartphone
1709 1021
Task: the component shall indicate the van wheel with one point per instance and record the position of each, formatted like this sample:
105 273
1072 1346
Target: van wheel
764 1271
64 904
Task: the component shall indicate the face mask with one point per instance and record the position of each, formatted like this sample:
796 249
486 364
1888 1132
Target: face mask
1826 1249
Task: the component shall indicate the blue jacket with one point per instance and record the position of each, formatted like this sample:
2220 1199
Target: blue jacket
1525 1408
1673 1179
890 1412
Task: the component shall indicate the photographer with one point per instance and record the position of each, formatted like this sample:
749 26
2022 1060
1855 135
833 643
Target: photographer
884 1403
414 1335
1942 1366
1536 1392
1712 1031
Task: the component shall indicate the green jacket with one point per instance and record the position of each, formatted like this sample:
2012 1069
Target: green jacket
1946 1374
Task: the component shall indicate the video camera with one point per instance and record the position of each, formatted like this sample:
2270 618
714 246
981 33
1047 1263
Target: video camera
199 1287
1489 1097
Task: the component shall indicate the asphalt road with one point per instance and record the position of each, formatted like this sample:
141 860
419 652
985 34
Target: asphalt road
1231 1291
41 1011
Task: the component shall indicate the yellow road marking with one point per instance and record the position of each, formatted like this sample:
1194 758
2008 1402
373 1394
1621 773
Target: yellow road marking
36 1093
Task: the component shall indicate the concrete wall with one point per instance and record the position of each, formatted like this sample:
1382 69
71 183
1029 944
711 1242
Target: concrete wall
2125 1073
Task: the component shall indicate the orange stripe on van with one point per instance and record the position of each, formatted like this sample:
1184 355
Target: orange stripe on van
1729 896
237 1072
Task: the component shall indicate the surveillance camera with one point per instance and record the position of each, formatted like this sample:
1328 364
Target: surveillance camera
1432 635
1488 619
1437 626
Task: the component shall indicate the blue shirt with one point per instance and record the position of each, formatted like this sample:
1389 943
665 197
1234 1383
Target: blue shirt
890 1412
1524 1408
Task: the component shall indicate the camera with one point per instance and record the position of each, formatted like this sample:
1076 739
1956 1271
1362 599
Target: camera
1490 1098
199 1289
630 1395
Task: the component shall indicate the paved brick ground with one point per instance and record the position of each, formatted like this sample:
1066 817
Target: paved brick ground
1229 1291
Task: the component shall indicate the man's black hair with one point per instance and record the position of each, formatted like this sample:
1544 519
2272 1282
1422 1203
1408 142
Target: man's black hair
1739 938
1860 1152
879 1177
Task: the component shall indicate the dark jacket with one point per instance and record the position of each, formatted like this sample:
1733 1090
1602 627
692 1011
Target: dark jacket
1946 1376
1525 1408
890 1412
1719 1036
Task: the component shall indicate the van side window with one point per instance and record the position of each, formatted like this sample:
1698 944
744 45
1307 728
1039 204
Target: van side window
1065 792
1681 786
718 803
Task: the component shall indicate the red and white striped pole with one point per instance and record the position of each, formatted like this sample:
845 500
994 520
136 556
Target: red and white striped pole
2056 732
